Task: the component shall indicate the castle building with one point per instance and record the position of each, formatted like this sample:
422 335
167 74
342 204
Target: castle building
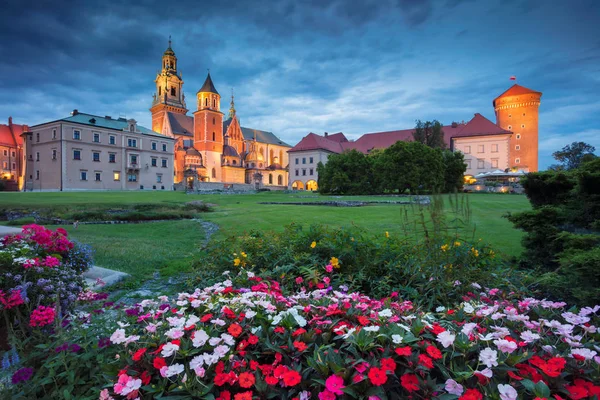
12 159
511 142
208 146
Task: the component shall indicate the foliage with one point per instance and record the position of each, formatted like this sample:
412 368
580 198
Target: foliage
430 133
573 155
350 172
245 338
454 170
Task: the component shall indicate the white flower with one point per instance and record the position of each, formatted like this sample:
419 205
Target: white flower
122 325
196 362
507 392
218 321
446 338
373 328
250 314
192 320
397 339
174 333
168 349
199 338
221 350
118 336
453 387
585 353
489 357
476 285
468 328
385 313
215 341
468 308
487 373
131 386
529 337
440 309
505 346
175 369
210 359
228 339
250 274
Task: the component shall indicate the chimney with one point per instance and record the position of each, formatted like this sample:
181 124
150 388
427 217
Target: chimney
9 121
75 112
454 124
326 134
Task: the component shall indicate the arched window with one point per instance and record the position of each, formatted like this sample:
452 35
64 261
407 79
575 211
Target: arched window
280 180
214 120
214 136
214 173
215 103
159 90
281 157
206 102
173 91
234 162
270 179
271 157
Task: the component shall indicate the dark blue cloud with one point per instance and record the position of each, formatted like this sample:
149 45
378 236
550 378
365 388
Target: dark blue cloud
313 65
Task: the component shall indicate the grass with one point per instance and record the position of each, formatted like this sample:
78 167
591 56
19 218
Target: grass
140 249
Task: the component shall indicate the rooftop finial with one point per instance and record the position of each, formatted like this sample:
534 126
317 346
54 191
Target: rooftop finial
232 107
169 41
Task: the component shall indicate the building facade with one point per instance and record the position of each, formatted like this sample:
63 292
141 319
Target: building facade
89 152
12 159
208 146
511 142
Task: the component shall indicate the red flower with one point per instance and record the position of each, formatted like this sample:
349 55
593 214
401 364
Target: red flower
137 356
145 377
206 318
553 367
299 332
388 364
291 378
364 321
425 361
300 346
252 339
410 382
471 394
221 379
577 392
246 380
377 376
228 313
280 370
159 362
225 395
271 380
243 396
436 329
234 330
279 329
404 351
434 352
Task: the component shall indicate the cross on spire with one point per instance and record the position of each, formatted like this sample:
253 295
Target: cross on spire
232 107
169 40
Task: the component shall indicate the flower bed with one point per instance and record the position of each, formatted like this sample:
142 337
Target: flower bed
249 340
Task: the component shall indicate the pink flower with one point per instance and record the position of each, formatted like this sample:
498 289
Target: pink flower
505 346
453 387
326 280
326 395
299 280
335 384
127 384
446 338
507 392
42 316
329 268
104 395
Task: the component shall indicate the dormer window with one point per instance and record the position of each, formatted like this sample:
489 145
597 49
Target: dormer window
206 102
214 103
173 91
131 127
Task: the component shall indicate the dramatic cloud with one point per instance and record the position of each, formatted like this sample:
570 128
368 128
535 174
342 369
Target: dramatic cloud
306 66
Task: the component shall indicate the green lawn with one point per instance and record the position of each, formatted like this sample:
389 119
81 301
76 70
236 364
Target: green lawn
142 248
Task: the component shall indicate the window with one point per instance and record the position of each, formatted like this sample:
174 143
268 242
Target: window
509 115
303 160
310 171
131 177
213 136
481 148
54 154
153 145
297 159
158 178
14 165
518 136
509 127
116 176
270 179
173 91
5 165
37 175
37 137
467 149
206 102
131 127
494 148
517 147
76 135
154 162
480 163
214 173
112 140
214 121
494 163
297 173
164 147
131 142
280 180
5 152
164 163
76 154
310 161
133 159
215 103
468 164
98 176
522 125
517 161
53 133
13 153
96 137
112 157
96 156
303 172
83 175
37 156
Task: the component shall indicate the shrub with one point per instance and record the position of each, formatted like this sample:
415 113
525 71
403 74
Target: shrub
198 206
21 221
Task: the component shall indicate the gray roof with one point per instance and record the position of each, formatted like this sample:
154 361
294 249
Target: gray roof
119 124
181 124
208 86
261 136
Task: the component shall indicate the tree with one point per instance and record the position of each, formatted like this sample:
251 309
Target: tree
430 133
571 156
350 172
454 170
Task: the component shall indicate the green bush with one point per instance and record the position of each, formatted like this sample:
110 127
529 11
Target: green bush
198 206
21 221
94 215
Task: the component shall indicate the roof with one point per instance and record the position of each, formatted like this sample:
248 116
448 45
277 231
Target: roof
208 86
312 141
230 151
119 124
337 137
261 136
10 135
517 90
181 124
480 126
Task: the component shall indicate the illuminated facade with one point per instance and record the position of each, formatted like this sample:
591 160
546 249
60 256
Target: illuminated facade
210 147
12 161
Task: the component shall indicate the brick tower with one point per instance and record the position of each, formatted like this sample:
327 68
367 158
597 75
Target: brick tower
208 128
169 95
517 111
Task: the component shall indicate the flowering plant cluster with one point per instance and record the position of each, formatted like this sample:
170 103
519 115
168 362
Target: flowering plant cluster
39 276
249 340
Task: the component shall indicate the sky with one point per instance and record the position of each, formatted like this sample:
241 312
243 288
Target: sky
309 66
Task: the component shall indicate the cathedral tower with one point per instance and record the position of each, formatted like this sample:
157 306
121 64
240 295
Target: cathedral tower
208 128
169 95
517 111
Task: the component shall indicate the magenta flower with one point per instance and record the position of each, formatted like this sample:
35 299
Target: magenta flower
22 375
335 384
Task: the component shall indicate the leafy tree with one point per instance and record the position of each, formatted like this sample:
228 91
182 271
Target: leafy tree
350 172
454 170
429 133
571 156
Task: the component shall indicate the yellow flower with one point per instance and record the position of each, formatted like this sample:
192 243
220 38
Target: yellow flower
236 262
352 239
457 243
448 266
244 254
387 234
313 245
335 263
475 252
492 254
444 247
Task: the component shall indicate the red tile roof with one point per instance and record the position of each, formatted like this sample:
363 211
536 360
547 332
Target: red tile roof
516 90
480 126
10 135
312 141
337 137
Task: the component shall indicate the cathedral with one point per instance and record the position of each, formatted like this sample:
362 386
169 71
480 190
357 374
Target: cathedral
208 147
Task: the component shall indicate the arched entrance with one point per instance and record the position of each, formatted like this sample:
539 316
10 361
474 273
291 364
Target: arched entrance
312 185
298 185
280 180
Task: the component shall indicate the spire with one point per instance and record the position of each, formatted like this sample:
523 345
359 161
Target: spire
169 41
169 51
208 86
232 107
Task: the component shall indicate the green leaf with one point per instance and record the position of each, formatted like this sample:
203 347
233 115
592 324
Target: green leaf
529 385
541 390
